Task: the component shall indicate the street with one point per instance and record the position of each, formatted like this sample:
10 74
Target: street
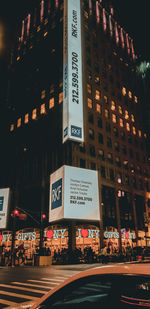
24 284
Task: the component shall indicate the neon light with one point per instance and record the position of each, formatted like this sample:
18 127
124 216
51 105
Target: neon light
22 32
110 26
116 33
42 11
127 42
84 233
104 20
97 13
90 7
132 50
28 24
122 38
50 234
56 4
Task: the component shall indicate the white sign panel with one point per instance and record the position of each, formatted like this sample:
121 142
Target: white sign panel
4 203
72 73
74 194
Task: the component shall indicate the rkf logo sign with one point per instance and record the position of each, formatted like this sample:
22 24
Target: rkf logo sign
1 202
76 131
56 195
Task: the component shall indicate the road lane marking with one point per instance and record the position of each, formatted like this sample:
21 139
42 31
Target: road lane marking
42 281
59 280
22 289
34 285
19 295
7 302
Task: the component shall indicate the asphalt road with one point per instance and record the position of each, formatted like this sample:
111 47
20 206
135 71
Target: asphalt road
24 284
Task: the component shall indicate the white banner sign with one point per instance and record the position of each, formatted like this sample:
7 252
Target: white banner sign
4 203
74 194
72 73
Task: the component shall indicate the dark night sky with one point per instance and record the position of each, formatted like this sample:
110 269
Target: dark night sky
132 14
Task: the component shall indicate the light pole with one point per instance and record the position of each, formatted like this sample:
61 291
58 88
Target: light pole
15 214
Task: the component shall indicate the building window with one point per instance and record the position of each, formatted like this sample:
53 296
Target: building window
120 109
119 178
124 149
116 131
42 111
90 105
34 114
125 164
43 94
106 113
109 157
108 127
91 118
105 99
114 118
118 162
130 94
100 138
134 130
91 133
123 137
82 148
111 174
101 154
19 122
124 91
102 170
121 122
26 118
93 166
126 179
98 108
82 163
51 103
135 99
126 115
99 123
97 80
131 153
92 150
109 142
116 146
60 97
89 88
139 133
12 127
113 106
128 127
97 95
132 118
137 156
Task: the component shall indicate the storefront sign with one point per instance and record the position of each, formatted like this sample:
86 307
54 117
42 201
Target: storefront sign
74 194
55 234
26 236
115 235
72 73
88 233
4 204
5 237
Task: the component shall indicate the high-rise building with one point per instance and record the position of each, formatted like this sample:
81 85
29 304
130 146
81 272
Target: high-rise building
76 103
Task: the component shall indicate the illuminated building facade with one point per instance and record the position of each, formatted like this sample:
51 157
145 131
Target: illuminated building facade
114 142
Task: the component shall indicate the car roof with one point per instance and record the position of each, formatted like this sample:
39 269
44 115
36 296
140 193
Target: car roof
124 268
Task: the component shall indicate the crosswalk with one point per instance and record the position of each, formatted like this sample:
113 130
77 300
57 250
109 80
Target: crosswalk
15 293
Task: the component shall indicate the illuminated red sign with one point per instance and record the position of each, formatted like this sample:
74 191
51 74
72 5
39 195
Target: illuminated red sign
84 232
1 237
50 234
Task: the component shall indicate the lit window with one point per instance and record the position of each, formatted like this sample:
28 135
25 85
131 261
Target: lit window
127 126
132 118
34 114
45 33
98 108
130 94
52 89
18 58
124 91
26 118
46 21
18 122
113 107
105 99
134 130
135 99
43 93
121 122
90 103
126 114
140 133
114 118
60 97
145 135
106 113
38 28
12 127
86 14
120 109
60 84
97 95
89 88
43 111
51 103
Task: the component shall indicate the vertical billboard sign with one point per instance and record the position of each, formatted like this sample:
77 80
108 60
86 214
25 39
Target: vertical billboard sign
72 73
4 204
74 194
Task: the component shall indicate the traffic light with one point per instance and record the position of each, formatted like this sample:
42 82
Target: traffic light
43 216
16 212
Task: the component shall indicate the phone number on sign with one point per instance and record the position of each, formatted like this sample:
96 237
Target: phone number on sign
75 79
